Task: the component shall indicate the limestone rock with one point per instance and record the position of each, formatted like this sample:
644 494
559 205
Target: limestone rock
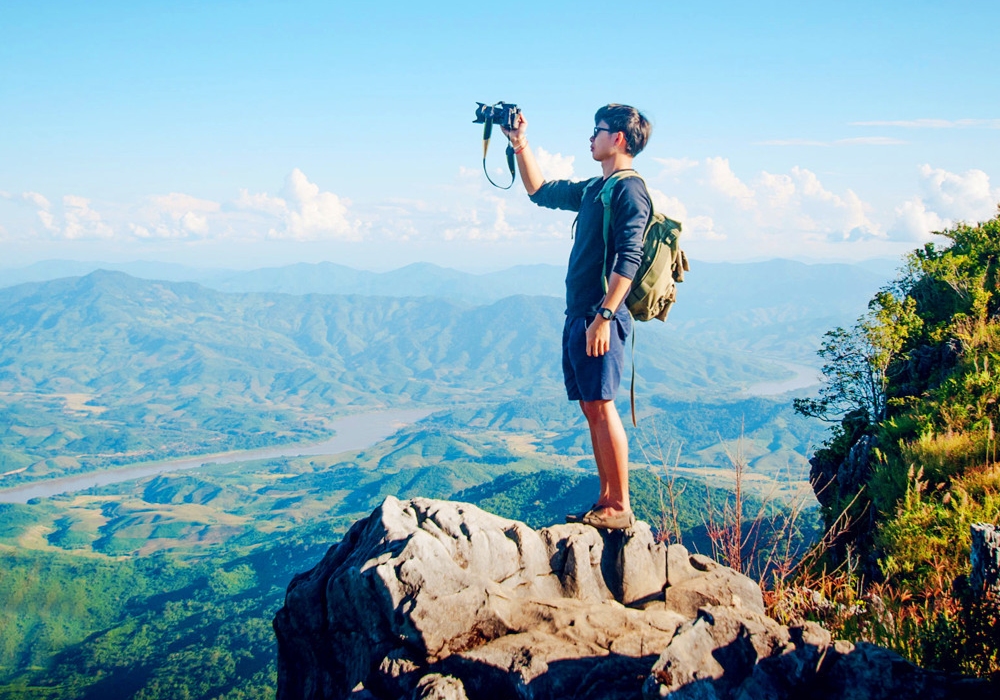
733 654
434 686
435 600
420 583
696 581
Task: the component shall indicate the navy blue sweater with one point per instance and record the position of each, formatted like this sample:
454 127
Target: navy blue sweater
630 210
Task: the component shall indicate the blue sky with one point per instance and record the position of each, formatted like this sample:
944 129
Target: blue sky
246 134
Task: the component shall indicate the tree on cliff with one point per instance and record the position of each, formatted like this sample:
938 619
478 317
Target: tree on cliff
914 387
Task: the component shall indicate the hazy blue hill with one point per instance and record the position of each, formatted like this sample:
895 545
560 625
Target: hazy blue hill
109 368
778 308
415 280
711 290
55 269
719 290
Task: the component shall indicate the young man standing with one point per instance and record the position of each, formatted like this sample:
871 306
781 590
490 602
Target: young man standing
597 321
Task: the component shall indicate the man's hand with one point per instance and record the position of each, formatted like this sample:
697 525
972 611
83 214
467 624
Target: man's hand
531 174
598 337
519 134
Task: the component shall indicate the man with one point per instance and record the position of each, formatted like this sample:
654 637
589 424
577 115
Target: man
597 321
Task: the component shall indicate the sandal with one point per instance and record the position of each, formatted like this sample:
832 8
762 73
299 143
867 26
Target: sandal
578 517
610 521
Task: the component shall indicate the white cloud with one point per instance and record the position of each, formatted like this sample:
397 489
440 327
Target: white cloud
72 218
80 221
779 189
263 202
48 221
792 142
174 216
722 178
967 196
935 123
854 141
841 216
180 204
870 141
670 206
768 214
914 222
554 166
305 213
692 227
36 199
675 166
945 199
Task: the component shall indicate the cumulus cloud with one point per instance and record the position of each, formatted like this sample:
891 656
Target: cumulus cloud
36 199
175 215
554 166
967 196
81 221
693 227
73 218
305 213
914 222
870 141
722 178
945 199
675 166
768 213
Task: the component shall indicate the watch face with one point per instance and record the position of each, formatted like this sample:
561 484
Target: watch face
608 314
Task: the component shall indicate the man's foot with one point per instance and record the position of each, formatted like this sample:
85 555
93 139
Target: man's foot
607 519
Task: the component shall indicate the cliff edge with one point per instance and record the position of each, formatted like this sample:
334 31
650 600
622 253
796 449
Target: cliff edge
430 599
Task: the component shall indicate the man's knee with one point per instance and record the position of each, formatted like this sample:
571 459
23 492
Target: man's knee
597 411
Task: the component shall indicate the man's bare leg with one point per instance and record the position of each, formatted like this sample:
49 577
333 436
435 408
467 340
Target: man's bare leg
605 495
610 452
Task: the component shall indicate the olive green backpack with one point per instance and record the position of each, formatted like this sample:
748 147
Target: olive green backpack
654 287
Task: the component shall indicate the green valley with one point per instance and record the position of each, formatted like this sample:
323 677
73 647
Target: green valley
164 587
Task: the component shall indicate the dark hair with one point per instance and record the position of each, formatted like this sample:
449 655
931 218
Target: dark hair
630 122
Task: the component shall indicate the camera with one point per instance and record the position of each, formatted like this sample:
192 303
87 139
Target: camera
501 113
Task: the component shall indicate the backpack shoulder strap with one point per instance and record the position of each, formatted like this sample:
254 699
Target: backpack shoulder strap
606 191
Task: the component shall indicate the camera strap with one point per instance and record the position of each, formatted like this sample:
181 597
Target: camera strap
487 130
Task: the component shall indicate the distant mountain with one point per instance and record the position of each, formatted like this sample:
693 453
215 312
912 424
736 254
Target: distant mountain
54 269
712 290
777 308
109 369
416 280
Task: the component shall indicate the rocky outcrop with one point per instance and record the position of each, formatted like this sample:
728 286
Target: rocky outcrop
435 599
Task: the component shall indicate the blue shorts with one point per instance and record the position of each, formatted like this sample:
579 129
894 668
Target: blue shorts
593 378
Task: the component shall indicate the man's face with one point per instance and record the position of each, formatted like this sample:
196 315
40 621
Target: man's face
602 142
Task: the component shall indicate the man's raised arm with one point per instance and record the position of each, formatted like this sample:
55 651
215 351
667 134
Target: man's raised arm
531 175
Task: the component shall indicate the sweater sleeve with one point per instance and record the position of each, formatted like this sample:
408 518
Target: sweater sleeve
631 209
560 194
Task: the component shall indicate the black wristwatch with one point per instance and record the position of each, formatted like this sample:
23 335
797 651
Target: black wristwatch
606 313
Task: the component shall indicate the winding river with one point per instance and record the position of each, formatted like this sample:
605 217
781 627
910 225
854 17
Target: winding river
352 433
804 378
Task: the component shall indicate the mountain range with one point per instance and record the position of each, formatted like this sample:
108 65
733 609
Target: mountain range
109 369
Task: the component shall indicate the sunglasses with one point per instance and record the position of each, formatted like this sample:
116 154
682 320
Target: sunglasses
599 129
